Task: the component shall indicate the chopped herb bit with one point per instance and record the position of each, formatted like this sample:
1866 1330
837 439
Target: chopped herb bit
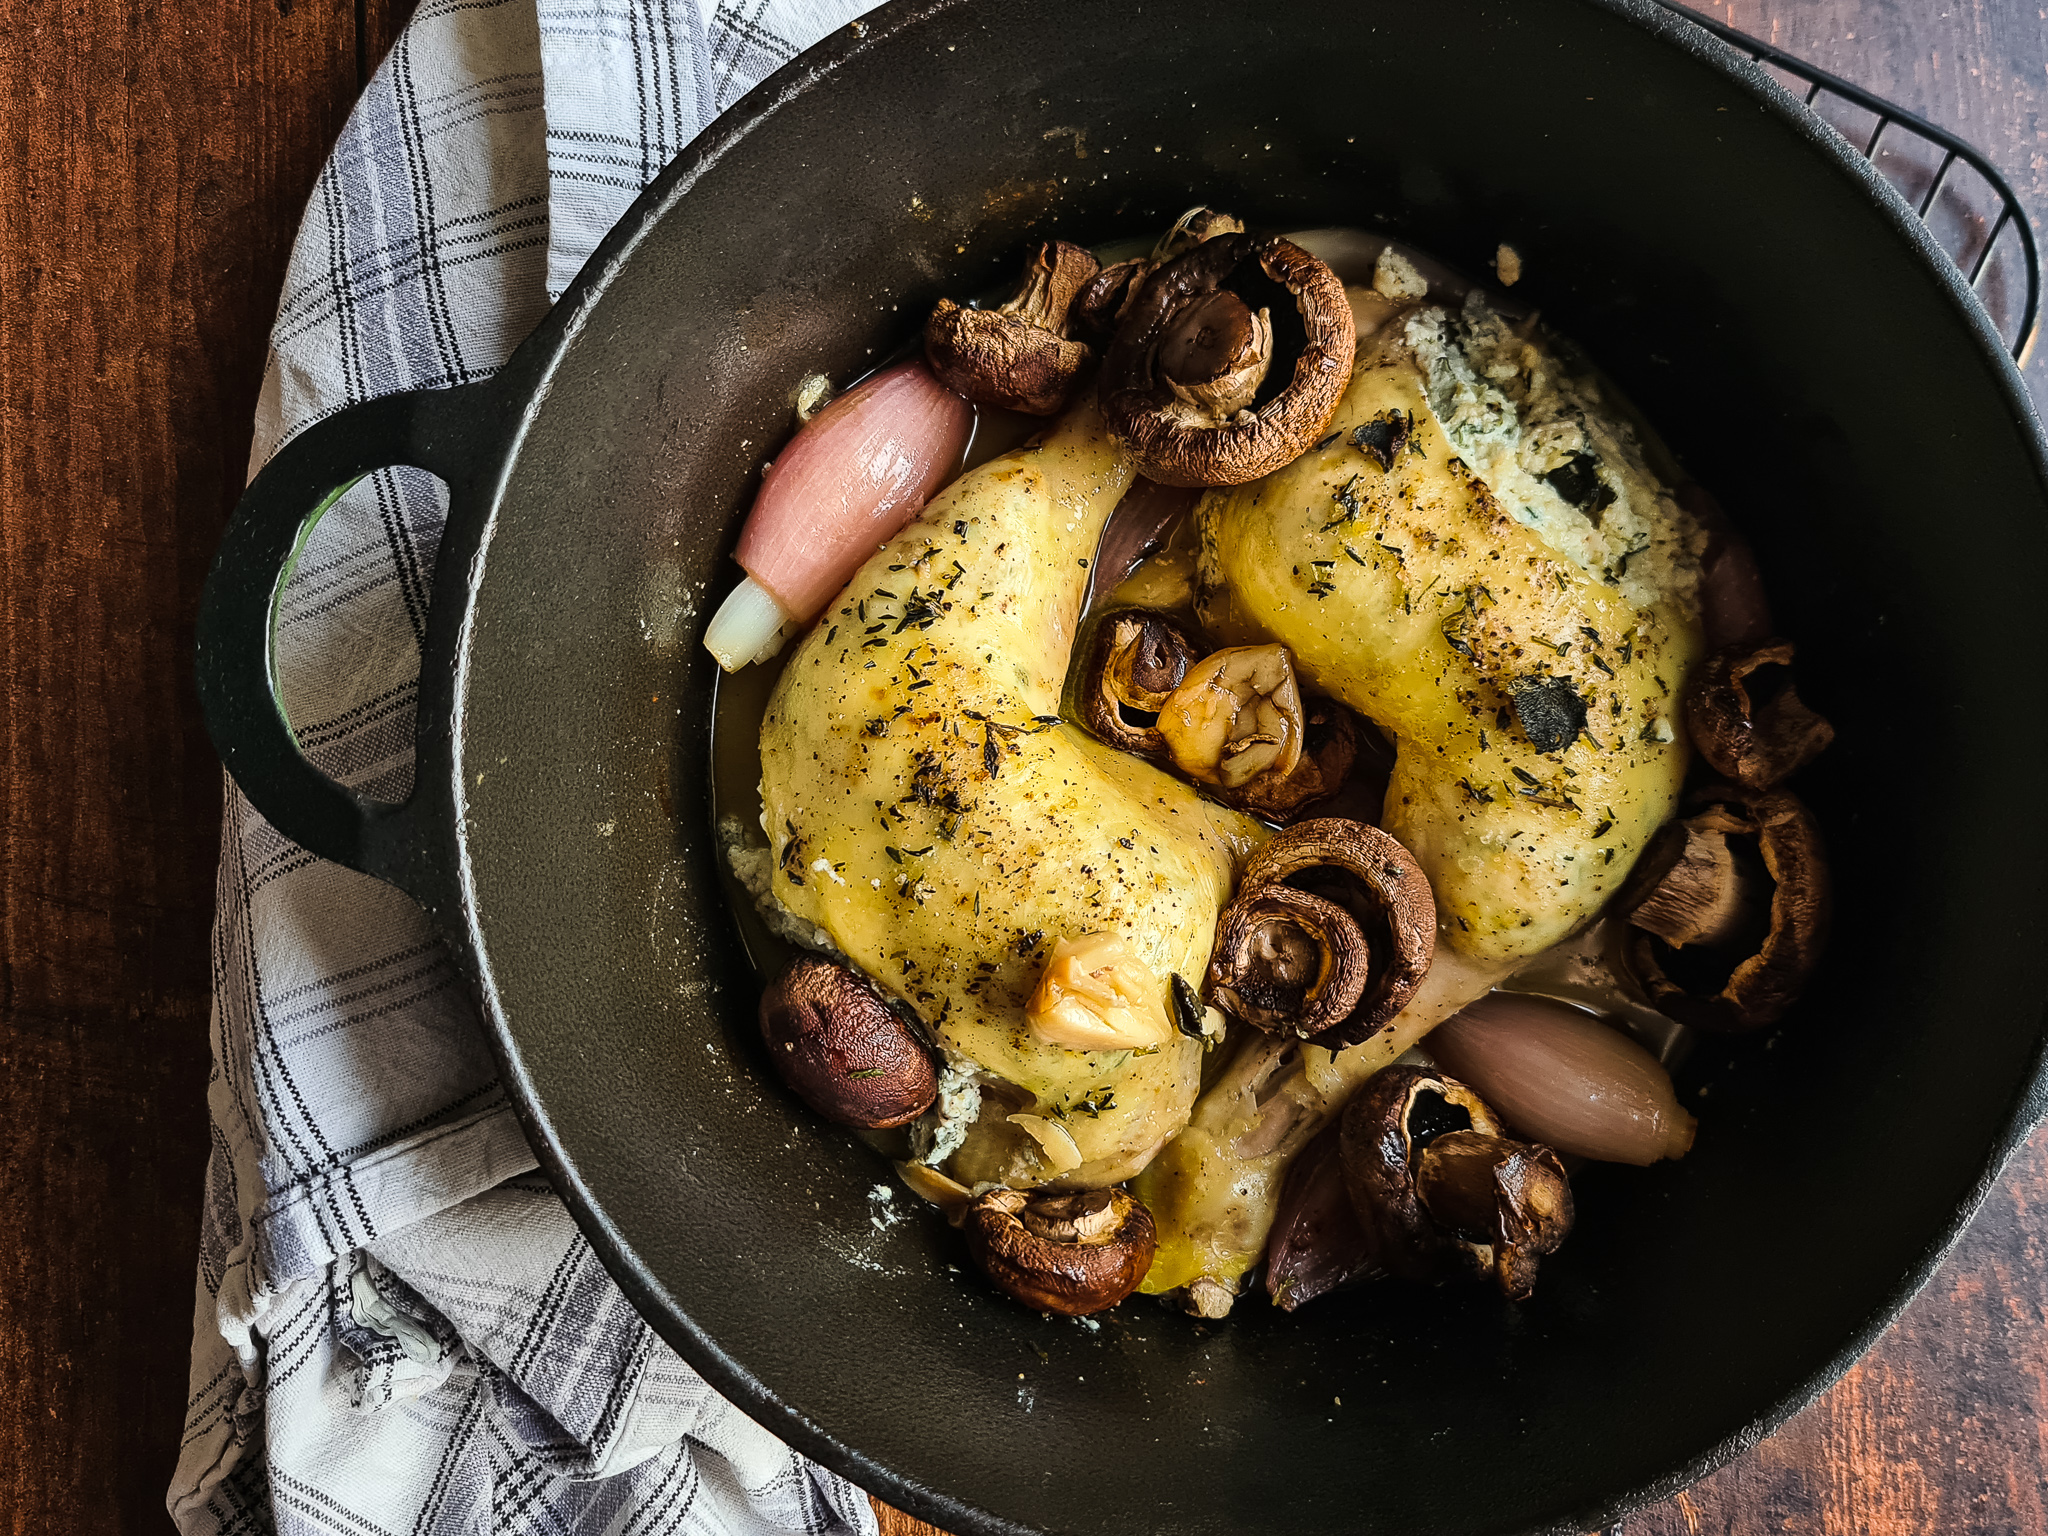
866 1072
877 727
1525 775
917 853
1550 710
1606 826
1096 1100
1382 438
1475 793
1325 442
991 752
895 854
1356 557
1187 1006
1346 497
1578 481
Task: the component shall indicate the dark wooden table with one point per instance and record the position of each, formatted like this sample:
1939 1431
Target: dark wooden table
155 160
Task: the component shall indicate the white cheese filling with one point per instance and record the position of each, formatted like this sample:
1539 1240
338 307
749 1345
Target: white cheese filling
1535 432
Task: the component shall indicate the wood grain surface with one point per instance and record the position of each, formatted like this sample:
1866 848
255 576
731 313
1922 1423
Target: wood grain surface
154 159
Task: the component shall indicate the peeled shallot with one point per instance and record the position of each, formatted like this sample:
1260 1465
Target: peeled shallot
848 481
1565 1079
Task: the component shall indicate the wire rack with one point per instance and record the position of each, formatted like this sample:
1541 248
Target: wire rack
1922 164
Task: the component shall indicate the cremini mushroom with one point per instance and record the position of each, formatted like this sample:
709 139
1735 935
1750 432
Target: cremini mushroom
1182 379
844 1051
1106 297
1020 356
1441 1190
1137 658
1288 962
1095 995
1730 912
1073 1254
1329 748
1236 716
1374 880
1753 733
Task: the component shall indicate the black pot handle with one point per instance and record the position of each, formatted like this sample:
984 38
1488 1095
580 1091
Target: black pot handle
456 434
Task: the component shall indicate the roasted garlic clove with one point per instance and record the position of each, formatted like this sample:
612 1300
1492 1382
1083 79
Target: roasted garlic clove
1235 716
1095 995
1071 1254
1755 736
842 1049
1018 357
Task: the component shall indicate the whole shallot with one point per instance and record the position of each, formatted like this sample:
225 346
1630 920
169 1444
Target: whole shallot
848 481
1565 1079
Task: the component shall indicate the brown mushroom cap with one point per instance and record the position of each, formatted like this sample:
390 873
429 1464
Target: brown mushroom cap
1017 357
1106 297
1441 1190
842 1049
1387 894
1137 658
1694 940
1288 962
1755 742
1509 1196
1174 383
1072 1254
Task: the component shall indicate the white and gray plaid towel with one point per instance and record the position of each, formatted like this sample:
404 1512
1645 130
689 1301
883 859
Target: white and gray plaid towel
398 1327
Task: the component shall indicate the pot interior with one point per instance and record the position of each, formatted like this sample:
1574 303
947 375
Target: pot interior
1803 360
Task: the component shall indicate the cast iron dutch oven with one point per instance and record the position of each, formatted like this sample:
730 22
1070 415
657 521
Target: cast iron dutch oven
1772 305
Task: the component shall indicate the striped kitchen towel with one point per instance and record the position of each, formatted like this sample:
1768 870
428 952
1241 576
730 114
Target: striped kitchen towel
398 1328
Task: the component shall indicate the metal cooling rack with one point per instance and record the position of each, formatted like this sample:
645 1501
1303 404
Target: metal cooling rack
1973 260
